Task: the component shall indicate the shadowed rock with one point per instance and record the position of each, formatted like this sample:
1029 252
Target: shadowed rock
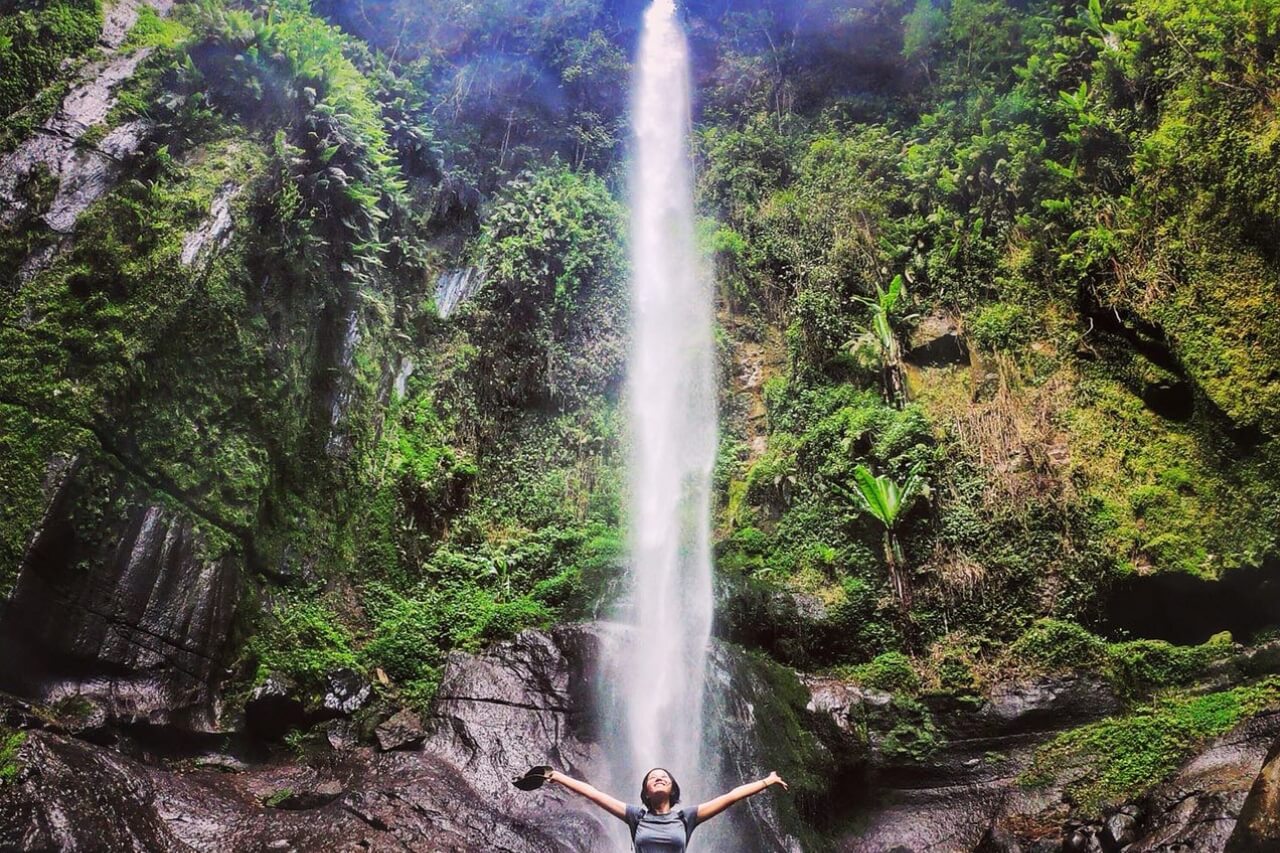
1258 829
134 622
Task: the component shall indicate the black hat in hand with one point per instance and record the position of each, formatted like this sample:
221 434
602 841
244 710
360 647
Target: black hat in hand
533 778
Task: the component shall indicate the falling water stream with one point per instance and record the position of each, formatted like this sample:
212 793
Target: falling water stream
672 419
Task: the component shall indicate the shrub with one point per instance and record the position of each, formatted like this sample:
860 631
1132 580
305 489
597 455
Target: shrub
305 641
1000 326
891 672
1053 645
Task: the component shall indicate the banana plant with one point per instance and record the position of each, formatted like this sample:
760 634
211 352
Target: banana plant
881 328
888 502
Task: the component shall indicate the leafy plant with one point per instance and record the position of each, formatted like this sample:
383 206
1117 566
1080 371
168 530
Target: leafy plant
888 503
881 310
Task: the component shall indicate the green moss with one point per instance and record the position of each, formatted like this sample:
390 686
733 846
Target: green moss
34 43
1156 485
10 763
1135 667
1138 667
1052 645
891 671
999 326
787 744
907 731
29 442
151 30
275 798
1121 758
304 640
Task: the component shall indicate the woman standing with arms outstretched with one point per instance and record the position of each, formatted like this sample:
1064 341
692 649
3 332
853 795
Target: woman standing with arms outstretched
658 826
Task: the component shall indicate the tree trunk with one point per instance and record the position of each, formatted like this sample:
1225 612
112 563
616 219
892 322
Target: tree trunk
897 571
895 385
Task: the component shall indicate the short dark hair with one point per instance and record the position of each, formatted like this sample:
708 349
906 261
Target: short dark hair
675 788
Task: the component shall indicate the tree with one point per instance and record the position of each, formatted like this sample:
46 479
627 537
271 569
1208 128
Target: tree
888 502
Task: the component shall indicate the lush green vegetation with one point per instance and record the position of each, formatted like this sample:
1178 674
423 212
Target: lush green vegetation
1121 758
35 39
1083 192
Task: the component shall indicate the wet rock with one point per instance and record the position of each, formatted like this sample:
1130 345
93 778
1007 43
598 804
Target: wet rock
455 287
72 797
1037 704
300 801
347 692
494 710
84 173
143 617
1121 828
215 232
342 735
80 797
843 702
403 731
998 840
1198 808
340 389
1083 838
1258 827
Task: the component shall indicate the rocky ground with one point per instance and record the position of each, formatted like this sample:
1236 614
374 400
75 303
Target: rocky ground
442 784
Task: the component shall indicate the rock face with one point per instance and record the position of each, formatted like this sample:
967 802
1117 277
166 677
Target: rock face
402 731
84 173
139 634
78 797
1258 828
523 702
967 796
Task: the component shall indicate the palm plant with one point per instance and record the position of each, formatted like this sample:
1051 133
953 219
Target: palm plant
888 502
881 328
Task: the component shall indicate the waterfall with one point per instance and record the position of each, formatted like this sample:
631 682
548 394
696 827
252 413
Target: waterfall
659 665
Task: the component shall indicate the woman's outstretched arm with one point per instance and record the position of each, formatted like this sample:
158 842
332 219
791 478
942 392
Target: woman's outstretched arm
612 805
711 808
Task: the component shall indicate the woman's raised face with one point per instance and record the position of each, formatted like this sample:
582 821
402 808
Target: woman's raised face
657 781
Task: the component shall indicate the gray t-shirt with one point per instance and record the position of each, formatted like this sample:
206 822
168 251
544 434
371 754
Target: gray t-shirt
661 833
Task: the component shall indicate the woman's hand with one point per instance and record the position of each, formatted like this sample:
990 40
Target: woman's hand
774 779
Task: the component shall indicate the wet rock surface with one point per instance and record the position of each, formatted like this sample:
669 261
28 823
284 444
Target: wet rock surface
523 702
968 796
403 731
526 702
140 634
1258 827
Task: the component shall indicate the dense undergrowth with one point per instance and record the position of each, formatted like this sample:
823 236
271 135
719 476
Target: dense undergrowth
1083 193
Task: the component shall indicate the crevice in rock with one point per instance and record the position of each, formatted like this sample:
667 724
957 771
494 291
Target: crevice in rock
506 704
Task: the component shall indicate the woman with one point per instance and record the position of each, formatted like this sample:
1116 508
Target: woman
658 826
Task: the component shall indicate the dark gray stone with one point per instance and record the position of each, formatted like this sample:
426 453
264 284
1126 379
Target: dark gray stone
1121 828
142 618
403 731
